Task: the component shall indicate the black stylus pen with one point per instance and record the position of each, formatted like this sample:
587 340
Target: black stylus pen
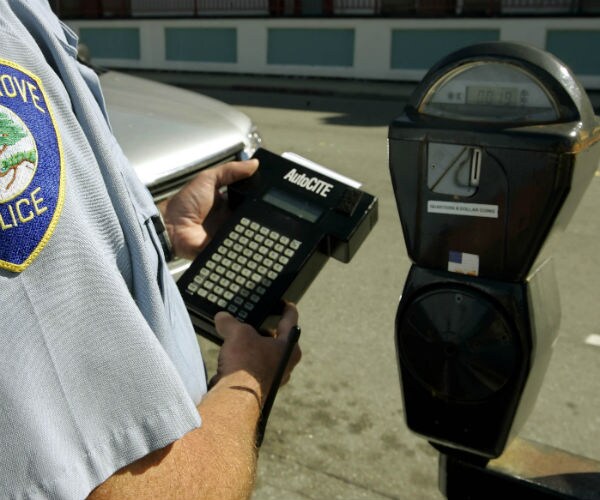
292 340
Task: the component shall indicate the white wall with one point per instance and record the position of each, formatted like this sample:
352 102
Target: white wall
372 43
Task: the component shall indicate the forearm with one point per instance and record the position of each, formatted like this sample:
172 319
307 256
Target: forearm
218 460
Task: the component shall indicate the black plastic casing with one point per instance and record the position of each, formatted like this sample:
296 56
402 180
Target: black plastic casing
451 417
347 216
472 350
534 173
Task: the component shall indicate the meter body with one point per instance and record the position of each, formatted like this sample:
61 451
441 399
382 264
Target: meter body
488 162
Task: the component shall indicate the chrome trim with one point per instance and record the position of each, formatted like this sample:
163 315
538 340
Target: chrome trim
225 155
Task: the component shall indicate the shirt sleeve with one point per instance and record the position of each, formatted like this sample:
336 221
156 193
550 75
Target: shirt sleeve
99 365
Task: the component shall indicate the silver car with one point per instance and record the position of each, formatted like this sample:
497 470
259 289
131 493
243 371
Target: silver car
169 134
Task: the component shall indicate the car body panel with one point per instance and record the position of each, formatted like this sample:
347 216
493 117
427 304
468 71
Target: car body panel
166 131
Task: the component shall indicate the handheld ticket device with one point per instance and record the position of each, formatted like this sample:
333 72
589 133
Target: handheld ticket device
488 161
288 220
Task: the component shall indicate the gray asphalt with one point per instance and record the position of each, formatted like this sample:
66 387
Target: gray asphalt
337 430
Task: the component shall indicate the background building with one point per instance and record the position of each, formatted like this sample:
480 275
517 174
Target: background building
360 39
192 8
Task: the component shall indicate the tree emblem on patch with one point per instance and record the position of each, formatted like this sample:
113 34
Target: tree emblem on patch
31 168
18 155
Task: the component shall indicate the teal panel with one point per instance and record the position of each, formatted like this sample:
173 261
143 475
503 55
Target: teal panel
312 7
577 49
201 44
420 49
311 47
111 43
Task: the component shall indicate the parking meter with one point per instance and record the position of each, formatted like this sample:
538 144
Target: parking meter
488 162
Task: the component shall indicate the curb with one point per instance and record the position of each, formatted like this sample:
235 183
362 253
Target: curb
369 89
326 87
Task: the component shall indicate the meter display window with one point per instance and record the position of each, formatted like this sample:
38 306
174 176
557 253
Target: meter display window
496 92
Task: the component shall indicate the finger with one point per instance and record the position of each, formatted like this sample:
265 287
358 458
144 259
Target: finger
234 171
269 332
293 360
288 320
225 324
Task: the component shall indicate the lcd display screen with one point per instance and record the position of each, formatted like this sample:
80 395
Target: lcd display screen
295 205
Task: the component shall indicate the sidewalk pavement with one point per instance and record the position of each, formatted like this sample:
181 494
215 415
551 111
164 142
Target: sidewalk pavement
338 431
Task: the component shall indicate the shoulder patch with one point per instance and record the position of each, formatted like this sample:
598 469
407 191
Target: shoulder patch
31 168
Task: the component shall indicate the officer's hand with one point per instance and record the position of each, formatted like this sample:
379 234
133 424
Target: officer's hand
197 210
245 351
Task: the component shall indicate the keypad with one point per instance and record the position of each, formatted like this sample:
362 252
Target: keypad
245 265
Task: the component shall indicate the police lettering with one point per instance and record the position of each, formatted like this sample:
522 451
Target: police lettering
22 211
12 87
313 184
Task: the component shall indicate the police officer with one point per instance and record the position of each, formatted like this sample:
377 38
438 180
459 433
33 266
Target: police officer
103 392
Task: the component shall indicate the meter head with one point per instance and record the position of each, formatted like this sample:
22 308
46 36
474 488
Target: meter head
485 155
500 84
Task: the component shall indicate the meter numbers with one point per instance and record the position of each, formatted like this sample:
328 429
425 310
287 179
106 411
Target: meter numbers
487 95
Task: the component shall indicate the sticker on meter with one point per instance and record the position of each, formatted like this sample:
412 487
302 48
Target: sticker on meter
463 263
457 208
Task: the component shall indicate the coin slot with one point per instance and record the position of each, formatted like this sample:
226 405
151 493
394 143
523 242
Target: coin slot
475 167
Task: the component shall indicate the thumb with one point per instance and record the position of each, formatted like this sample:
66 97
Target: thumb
225 324
235 171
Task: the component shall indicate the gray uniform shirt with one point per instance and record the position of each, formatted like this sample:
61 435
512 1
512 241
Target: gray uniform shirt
99 364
